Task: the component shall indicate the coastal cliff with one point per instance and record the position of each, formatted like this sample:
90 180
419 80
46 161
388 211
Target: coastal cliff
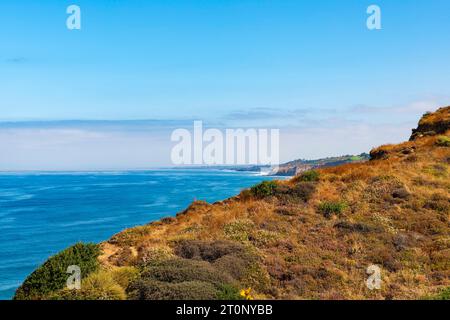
311 237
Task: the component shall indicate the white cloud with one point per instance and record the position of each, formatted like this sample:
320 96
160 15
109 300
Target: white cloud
75 149
314 143
131 146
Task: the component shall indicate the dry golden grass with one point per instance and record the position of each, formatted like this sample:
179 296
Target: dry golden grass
396 216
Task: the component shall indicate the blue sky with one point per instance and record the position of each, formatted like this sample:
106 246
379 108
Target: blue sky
310 68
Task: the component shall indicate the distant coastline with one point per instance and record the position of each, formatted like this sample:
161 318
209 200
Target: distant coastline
288 169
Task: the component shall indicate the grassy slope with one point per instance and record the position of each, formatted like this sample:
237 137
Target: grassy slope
308 240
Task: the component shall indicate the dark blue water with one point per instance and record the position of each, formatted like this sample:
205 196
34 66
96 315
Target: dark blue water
43 213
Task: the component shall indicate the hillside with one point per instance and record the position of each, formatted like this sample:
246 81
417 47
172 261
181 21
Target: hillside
296 167
312 237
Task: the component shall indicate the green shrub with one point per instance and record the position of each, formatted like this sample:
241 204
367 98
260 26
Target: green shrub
188 290
256 277
229 292
235 266
193 286
300 192
207 269
264 189
158 253
246 195
238 230
304 190
330 208
52 276
443 141
206 250
309 176
263 238
443 295
182 270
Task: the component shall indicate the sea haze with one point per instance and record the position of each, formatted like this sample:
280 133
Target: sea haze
43 213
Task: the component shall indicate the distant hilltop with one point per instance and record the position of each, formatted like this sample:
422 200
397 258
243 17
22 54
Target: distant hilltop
296 167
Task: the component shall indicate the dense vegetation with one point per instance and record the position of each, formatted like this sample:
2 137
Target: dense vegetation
198 270
52 275
311 237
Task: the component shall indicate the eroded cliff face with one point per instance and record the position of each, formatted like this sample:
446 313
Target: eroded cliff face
433 127
312 237
432 124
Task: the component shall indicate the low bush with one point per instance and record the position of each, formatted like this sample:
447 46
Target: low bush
52 275
206 250
207 269
246 195
101 286
304 190
238 230
229 292
309 176
264 189
157 253
384 188
125 275
330 208
256 277
443 141
263 238
182 270
401 193
188 279
188 290
438 203
232 265
300 192
443 295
